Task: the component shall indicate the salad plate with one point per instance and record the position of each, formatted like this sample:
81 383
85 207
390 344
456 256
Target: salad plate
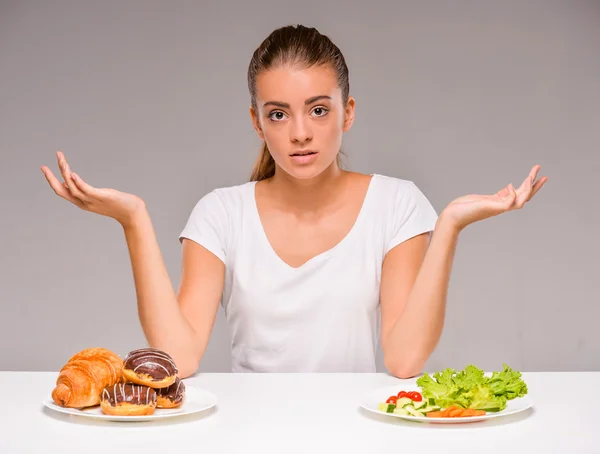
451 397
373 400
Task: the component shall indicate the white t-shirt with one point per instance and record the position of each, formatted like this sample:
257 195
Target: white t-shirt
324 315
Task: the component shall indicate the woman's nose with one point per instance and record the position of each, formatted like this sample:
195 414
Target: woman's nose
300 131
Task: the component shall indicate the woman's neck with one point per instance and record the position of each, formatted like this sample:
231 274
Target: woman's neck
310 196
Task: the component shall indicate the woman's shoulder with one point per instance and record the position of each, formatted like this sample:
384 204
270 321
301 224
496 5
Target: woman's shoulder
391 189
223 201
403 208
392 182
401 193
227 194
233 193
380 180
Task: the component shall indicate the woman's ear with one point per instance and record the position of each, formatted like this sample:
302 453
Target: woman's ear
256 123
349 114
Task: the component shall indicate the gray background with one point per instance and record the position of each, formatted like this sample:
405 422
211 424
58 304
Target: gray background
150 97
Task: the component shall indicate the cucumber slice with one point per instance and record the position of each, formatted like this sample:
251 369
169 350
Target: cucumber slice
388 408
403 401
429 408
412 411
401 411
418 405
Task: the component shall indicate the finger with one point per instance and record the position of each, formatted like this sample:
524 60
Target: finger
85 188
525 191
524 194
534 172
530 178
76 191
523 186
502 201
60 189
62 165
64 169
66 173
510 199
537 186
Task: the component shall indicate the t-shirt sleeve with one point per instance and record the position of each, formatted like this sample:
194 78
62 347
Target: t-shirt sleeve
413 215
208 225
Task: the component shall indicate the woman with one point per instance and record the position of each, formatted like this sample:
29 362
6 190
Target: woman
313 264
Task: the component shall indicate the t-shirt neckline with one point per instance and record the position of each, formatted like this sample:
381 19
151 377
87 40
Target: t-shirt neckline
323 255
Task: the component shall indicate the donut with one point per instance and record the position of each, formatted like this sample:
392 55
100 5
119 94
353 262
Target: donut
150 367
128 399
171 396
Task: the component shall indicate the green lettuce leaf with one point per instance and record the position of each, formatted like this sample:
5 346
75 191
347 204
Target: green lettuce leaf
457 398
470 388
481 397
470 377
445 377
508 383
434 388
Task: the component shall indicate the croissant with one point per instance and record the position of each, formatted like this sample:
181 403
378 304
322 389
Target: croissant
82 379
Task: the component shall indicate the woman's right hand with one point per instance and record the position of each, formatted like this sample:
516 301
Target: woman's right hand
107 202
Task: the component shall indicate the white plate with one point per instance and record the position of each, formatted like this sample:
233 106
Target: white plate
371 402
195 400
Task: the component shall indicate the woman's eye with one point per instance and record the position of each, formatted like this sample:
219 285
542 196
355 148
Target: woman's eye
320 111
276 115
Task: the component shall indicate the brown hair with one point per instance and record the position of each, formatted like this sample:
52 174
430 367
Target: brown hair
302 47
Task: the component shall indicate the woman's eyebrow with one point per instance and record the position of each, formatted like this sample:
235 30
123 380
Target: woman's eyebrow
285 105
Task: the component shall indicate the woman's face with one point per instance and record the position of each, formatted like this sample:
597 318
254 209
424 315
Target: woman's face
301 117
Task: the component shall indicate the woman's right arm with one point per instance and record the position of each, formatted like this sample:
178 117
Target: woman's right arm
179 324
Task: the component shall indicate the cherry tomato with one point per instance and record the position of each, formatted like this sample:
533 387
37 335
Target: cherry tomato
415 396
402 394
392 400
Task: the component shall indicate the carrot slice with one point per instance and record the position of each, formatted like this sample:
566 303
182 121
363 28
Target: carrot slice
473 412
456 412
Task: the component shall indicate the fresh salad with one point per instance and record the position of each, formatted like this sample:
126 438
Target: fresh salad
449 393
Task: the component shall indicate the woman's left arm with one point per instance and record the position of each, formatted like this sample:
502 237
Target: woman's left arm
416 274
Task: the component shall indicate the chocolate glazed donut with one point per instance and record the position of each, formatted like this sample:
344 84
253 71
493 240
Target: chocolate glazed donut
172 396
128 399
150 367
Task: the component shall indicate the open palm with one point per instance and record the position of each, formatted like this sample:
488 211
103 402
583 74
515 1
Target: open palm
471 208
104 201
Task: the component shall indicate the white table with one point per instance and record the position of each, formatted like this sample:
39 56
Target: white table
303 413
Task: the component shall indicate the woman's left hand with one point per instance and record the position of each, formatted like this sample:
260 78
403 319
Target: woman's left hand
476 207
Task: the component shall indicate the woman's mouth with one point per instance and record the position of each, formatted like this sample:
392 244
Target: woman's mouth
304 156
